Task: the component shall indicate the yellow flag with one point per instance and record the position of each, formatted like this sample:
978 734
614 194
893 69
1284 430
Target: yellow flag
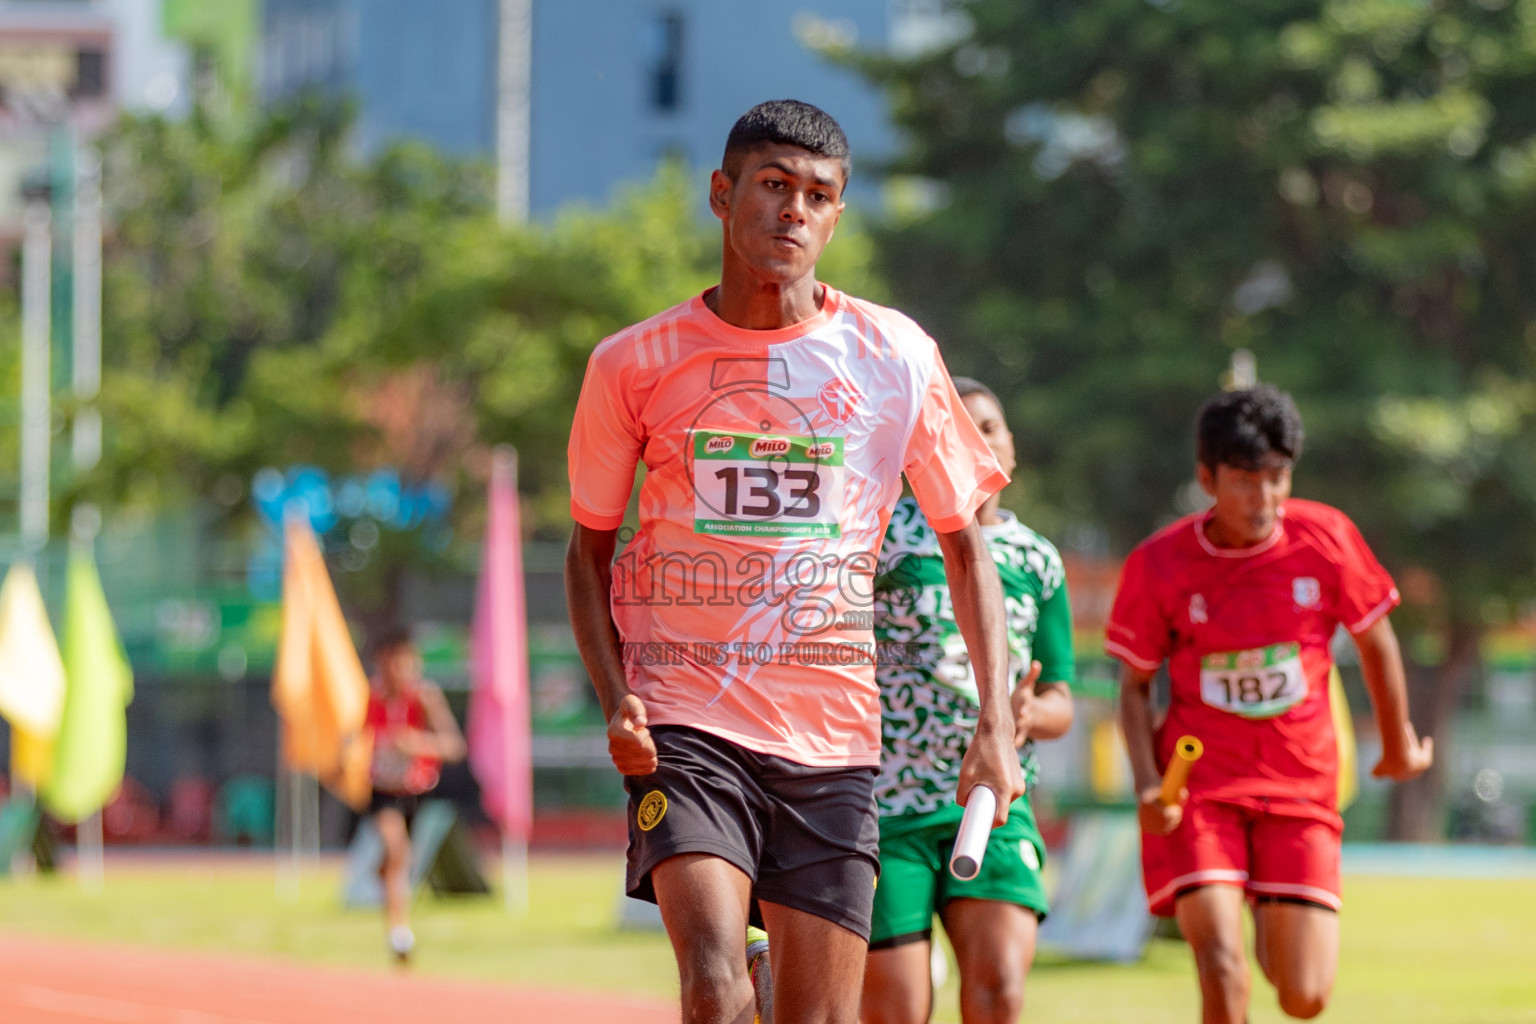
92 743
1344 737
31 669
318 684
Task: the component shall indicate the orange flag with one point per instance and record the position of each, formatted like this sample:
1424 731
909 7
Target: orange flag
318 685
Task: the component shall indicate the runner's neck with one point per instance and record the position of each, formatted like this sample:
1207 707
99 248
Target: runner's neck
1218 537
756 305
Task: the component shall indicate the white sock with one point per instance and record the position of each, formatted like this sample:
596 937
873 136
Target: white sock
401 938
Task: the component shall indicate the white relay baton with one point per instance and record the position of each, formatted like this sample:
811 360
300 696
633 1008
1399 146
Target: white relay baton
975 830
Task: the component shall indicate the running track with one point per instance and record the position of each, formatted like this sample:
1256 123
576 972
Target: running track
51 982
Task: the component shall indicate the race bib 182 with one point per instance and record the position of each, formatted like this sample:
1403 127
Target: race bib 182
767 485
1260 683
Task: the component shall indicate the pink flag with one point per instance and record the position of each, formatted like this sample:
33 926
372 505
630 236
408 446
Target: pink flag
499 733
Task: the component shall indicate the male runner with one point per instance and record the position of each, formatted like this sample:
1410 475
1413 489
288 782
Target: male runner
730 644
1242 602
928 705
413 734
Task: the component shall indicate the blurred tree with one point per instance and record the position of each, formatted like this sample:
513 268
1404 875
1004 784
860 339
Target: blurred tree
228 249
1098 203
271 301
234 248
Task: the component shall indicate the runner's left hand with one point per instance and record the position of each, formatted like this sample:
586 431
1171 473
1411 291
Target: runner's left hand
1023 701
1406 760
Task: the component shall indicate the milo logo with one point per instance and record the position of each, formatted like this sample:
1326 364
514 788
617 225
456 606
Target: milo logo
825 450
763 447
723 443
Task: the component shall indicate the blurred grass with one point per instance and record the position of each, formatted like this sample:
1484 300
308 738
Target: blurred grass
1415 951
567 939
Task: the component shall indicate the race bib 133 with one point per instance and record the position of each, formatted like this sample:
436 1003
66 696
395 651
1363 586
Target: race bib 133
767 485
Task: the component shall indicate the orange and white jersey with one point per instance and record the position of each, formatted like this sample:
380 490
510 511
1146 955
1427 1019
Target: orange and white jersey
773 459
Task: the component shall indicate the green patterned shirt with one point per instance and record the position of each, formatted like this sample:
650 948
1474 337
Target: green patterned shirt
928 698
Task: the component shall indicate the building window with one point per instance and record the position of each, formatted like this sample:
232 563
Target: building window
90 74
666 69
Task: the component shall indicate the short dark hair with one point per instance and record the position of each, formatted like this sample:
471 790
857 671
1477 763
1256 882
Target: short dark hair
389 638
1239 428
789 123
965 387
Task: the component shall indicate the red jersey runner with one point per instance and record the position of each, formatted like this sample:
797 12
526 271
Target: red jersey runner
392 771
1246 634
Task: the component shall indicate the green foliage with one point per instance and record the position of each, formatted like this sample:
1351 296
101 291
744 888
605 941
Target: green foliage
1105 200
10 394
271 300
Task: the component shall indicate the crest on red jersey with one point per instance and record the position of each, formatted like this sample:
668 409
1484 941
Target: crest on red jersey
1306 592
1197 612
839 399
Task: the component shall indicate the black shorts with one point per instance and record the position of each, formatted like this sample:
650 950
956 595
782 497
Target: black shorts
809 838
406 803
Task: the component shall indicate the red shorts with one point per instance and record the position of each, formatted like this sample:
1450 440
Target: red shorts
1285 849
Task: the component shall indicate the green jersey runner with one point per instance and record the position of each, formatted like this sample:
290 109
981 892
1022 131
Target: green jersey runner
929 707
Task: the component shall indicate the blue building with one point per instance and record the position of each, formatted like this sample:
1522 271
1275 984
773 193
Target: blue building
616 84
420 69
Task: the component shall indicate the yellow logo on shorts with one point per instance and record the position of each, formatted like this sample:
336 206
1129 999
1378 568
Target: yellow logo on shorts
652 809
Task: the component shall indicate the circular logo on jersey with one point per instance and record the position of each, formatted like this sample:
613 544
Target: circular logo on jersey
839 400
1029 855
653 807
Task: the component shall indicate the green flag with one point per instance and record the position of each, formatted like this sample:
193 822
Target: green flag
92 741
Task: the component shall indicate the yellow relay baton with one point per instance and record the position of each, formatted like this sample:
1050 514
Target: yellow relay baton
1185 753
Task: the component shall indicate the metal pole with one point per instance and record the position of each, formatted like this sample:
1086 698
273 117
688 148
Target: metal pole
36 357
514 874
312 819
514 101
36 400
90 847
285 829
86 442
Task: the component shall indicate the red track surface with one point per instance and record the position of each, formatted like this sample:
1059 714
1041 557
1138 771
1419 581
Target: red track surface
50 982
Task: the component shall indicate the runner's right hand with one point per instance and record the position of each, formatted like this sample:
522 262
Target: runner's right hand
629 741
993 761
1156 817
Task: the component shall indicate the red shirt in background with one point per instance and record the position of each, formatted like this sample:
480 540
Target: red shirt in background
393 771
1246 634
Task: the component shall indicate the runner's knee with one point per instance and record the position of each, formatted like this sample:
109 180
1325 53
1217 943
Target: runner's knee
993 986
713 979
997 998
1224 965
1303 1001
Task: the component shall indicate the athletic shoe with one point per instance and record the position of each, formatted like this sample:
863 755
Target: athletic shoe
402 941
